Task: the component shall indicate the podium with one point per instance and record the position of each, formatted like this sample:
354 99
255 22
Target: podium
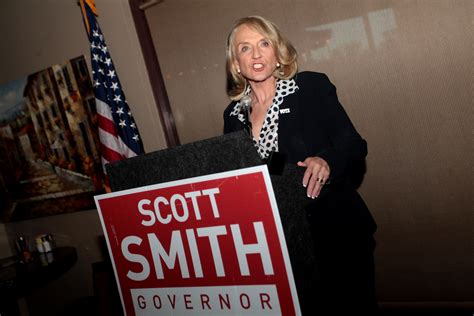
224 153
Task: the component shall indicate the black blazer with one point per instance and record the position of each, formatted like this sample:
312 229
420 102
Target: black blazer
312 122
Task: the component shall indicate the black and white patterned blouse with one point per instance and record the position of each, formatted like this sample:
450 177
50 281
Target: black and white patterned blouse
268 138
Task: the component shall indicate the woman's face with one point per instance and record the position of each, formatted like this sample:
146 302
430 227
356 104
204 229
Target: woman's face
255 55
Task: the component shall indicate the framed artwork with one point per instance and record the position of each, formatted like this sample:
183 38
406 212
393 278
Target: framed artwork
49 145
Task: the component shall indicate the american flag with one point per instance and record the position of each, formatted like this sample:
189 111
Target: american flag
118 132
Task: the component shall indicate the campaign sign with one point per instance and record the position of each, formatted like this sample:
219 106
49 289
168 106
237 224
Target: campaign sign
210 245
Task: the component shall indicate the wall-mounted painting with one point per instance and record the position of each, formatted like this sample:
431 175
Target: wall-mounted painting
49 145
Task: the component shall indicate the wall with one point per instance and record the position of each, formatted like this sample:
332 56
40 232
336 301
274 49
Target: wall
35 35
404 72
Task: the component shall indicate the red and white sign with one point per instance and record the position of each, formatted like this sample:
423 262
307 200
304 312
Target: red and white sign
210 245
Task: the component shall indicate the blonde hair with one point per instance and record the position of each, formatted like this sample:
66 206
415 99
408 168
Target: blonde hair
285 54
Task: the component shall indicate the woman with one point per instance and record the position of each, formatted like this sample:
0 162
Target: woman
299 116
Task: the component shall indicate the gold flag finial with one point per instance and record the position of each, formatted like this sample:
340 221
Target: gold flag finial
91 5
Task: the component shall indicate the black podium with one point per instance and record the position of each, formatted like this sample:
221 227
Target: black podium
224 153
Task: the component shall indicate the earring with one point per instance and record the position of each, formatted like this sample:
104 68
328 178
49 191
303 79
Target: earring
278 65
238 70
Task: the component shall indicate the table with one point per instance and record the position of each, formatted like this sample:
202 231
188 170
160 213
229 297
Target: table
20 279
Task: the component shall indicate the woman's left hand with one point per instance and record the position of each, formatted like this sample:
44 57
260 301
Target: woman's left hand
316 175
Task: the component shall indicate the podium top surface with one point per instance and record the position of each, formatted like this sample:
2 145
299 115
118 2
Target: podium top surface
223 153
